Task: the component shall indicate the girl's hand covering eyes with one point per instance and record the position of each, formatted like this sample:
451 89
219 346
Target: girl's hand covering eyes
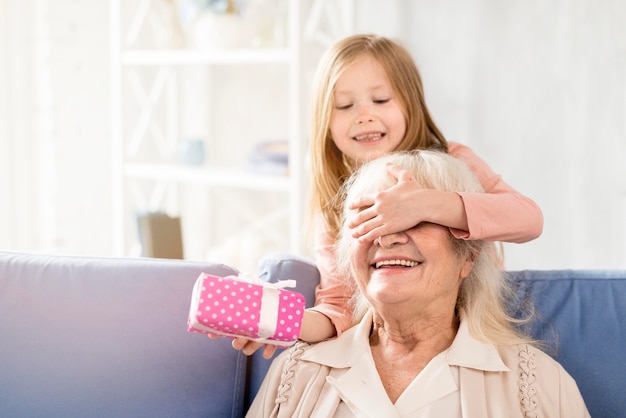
393 210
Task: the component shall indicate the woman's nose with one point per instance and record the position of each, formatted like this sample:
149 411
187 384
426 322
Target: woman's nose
390 240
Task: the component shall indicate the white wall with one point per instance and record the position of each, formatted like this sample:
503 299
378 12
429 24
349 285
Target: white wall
55 143
6 189
537 88
17 185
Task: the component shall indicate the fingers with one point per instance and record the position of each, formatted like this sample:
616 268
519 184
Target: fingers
251 347
248 347
399 173
368 229
369 200
376 211
269 351
371 235
361 202
364 202
239 343
361 217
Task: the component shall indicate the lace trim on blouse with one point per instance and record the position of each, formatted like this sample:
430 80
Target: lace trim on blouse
527 378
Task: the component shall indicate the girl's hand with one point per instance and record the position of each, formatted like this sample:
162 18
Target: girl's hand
248 347
315 327
403 206
392 210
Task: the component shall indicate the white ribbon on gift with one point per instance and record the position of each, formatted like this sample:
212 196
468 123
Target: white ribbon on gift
268 316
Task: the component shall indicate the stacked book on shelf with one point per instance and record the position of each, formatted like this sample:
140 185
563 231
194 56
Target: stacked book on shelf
269 157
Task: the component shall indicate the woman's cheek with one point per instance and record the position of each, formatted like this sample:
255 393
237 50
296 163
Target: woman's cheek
359 260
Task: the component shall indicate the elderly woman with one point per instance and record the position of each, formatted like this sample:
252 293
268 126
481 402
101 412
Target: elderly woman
432 337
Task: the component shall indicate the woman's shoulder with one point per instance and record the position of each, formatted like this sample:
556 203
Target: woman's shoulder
532 366
291 359
528 356
542 382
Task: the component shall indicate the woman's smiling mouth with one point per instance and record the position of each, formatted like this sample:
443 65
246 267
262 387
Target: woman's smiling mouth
396 263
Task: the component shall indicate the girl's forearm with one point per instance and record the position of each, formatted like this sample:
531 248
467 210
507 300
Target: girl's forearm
448 209
316 327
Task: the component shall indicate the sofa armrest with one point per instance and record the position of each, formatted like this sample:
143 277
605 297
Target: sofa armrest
107 337
273 268
280 266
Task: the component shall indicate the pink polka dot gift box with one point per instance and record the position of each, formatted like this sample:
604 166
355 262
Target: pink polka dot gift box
245 306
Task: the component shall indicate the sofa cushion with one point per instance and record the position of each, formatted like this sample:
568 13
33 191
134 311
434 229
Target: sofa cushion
583 314
106 337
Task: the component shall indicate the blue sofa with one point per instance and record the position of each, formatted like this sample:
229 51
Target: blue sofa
104 337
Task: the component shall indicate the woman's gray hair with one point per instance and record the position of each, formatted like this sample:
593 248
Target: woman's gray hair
485 294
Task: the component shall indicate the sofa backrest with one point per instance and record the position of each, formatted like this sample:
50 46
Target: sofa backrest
101 337
106 337
584 313
585 309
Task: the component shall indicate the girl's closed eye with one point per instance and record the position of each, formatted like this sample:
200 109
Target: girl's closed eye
343 106
381 101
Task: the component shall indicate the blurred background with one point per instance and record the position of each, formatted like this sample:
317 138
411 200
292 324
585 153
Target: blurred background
114 111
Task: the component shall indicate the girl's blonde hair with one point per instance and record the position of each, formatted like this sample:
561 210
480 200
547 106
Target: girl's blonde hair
329 168
486 297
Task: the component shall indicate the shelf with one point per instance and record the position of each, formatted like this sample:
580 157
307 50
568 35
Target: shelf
209 176
152 93
191 56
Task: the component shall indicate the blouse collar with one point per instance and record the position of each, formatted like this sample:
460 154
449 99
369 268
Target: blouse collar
465 351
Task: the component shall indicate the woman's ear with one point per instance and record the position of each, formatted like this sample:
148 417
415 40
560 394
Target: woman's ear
468 264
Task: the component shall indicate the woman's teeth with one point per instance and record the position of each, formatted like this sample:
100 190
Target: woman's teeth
404 263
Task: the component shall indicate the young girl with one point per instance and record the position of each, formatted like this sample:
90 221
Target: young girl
368 100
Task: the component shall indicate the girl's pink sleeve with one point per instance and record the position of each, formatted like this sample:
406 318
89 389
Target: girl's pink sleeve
333 293
500 214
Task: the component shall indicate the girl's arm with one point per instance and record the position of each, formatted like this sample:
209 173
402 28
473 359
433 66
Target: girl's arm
316 327
333 294
499 214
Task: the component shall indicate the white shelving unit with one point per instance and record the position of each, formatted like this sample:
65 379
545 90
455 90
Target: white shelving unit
208 176
148 84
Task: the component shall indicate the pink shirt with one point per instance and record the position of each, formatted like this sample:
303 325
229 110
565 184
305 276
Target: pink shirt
499 214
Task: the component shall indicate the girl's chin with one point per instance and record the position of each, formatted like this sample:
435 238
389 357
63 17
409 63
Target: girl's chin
366 157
